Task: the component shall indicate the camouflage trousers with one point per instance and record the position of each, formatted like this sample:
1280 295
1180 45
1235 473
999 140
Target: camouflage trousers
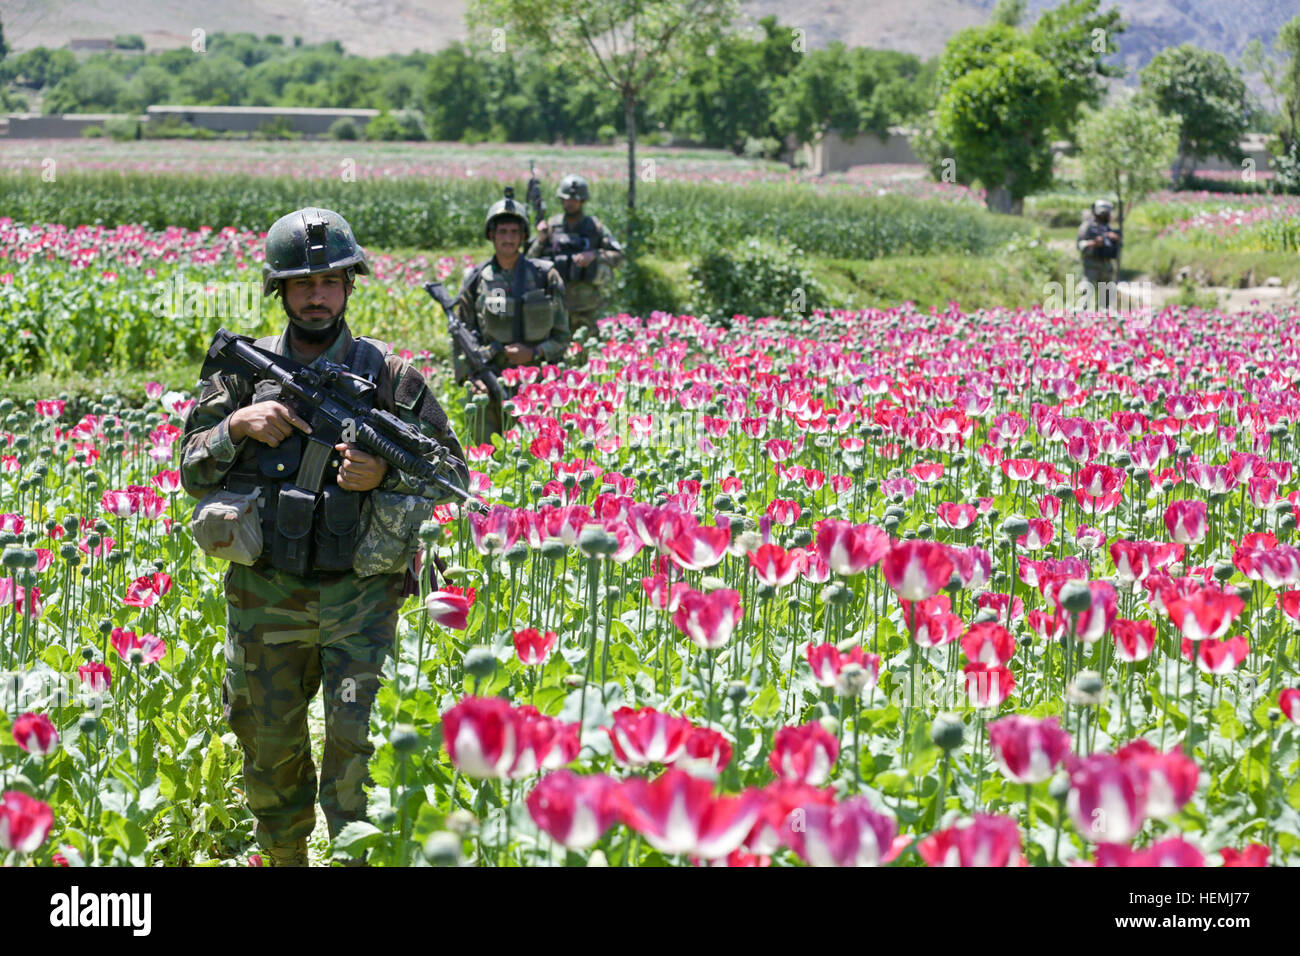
1096 272
285 637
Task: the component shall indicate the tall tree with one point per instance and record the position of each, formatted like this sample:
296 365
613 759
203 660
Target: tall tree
1281 76
998 103
1208 94
1125 150
1076 38
630 45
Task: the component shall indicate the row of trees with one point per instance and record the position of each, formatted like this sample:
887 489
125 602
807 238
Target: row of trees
1005 92
730 89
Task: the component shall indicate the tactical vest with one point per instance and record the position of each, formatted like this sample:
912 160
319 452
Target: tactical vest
309 523
517 309
1108 248
565 245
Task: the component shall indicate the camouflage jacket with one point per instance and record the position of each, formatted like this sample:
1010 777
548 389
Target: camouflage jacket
208 454
487 307
601 239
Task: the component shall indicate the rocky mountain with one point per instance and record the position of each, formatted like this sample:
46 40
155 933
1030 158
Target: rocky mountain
372 27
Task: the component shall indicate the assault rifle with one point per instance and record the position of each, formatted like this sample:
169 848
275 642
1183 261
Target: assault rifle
338 404
534 195
465 342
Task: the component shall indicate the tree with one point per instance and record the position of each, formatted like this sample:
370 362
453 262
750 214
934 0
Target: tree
93 88
455 93
1008 13
818 95
1075 39
1207 94
4 47
150 86
630 45
213 79
999 104
724 95
1281 77
1125 150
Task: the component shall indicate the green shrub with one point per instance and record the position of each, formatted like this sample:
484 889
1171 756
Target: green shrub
93 132
1287 176
643 286
385 127
757 278
278 128
606 134
343 128
121 129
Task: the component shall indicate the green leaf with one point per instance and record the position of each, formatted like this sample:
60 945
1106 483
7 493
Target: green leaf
357 836
767 703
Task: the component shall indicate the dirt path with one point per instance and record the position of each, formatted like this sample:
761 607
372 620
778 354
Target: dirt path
1230 299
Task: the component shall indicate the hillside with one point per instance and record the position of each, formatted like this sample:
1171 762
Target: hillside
373 27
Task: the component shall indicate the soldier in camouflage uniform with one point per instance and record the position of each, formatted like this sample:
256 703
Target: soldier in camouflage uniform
1099 245
287 634
513 305
585 254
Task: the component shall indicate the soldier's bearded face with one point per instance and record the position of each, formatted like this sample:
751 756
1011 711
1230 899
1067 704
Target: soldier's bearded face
315 304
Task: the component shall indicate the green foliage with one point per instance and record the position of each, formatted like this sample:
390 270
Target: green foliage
677 219
122 129
1126 150
92 89
385 127
852 91
1287 176
1207 93
128 41
151 85
726 99
343 128
1075 39
278 128
1000 101
1281 77
757 278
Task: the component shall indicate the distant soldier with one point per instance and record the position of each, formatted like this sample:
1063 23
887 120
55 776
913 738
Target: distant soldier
1099 244
584 251
513 305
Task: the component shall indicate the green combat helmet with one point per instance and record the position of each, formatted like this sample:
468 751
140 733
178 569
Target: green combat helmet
506 208
308 241
573 187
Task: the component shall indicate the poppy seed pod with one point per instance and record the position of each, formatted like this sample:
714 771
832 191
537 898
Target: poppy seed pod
947 732
480 661
404 739
442 849
1075 596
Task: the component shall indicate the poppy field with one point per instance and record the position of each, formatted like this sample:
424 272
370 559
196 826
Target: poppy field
891 587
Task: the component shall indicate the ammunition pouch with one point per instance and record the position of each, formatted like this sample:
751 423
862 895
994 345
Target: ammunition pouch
291 543
538 318
389 532
226 525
